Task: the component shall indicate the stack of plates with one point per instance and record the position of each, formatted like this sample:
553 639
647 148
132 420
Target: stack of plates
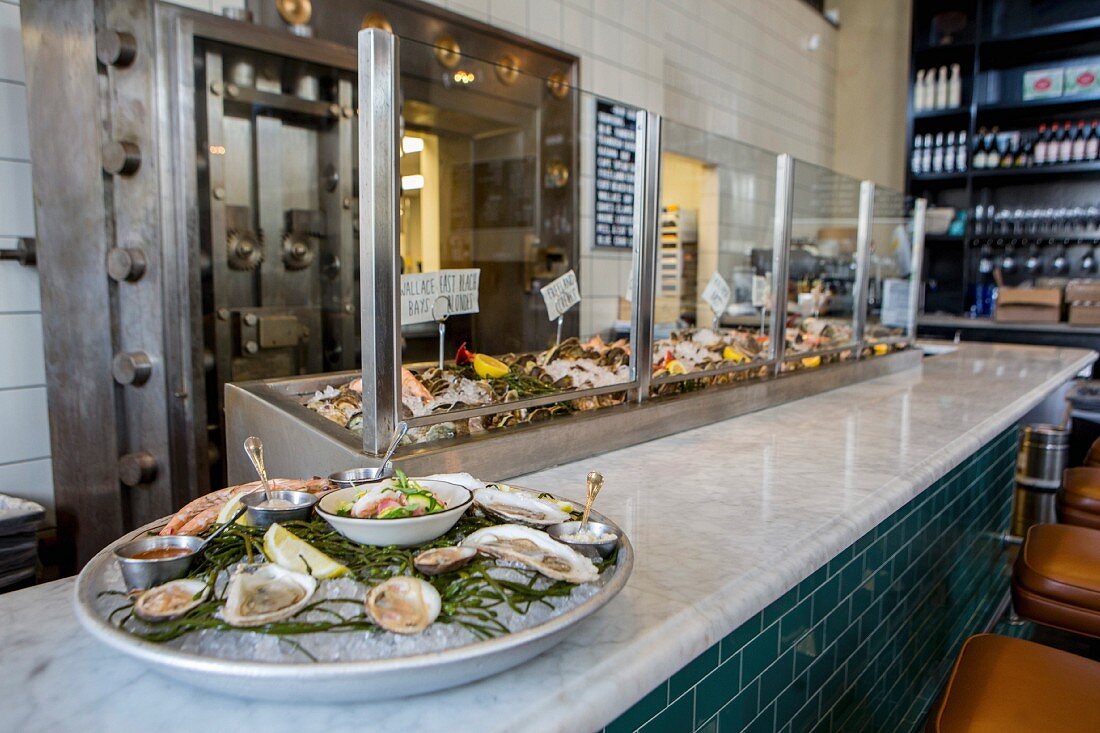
19 520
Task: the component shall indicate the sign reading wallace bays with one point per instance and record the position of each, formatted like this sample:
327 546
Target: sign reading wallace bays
561 295
421 290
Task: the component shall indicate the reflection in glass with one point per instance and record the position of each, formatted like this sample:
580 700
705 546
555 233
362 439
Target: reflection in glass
889 274
717 227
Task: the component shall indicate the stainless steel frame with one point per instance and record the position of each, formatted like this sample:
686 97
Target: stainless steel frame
781 241
863 257
916 267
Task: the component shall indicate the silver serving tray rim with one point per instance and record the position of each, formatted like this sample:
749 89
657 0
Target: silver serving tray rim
88 585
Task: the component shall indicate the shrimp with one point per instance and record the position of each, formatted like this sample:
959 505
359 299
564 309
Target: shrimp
198 515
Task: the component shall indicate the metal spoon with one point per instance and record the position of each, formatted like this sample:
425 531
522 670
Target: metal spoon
254 447
595 483
398 434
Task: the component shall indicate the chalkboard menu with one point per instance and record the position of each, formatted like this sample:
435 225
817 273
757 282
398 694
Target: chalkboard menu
616 153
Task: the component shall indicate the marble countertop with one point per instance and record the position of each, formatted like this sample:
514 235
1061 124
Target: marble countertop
785 490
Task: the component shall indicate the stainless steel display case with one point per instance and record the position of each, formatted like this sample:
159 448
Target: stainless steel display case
808 199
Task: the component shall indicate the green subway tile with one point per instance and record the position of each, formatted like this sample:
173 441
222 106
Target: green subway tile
717 688
740 711
808 648
775 678
780 606
796 623
676 717
740 636
851 577
825 598
763 723
840 560
711 726
759 653
805 719
835 623
694 671
643 710
810 584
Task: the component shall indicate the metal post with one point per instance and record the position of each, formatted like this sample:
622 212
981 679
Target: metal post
916 266
863 260
648 222
781 248
379 226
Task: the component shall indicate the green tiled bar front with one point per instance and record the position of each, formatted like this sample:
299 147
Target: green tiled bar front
864 642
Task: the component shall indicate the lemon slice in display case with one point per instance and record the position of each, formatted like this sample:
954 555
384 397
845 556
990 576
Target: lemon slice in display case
286 550
811 362
881 349
675 367
489 368
731 354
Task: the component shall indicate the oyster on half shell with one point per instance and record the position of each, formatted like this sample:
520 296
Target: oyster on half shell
264 593
171 600
520 507
443 559
535 549
404 605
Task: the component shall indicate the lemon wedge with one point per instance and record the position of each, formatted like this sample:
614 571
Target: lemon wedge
230 509
285 549
811 361
675 367
881 349
729 354
489 368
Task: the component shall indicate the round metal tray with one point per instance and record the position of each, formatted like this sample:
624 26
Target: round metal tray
348 680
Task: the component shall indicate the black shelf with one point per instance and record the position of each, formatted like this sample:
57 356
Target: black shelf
1039 172
944 238
1056 106
939 178
1071 38
962 113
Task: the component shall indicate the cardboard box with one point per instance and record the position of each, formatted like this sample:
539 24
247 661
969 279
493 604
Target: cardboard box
1083 290
1084 314
1082 79
1043 83
1028 305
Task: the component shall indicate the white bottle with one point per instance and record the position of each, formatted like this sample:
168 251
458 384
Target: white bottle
926 154
937 154
915 162
954 87
941 89
949 154
929 89
918 92
961 153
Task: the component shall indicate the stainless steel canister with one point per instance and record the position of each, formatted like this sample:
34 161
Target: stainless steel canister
1040 462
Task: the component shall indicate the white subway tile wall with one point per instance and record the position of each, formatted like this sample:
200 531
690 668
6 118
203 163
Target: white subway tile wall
740 68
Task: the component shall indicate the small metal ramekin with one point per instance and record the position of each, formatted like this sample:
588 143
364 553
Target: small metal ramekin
589 549
365 475
303 502
143 574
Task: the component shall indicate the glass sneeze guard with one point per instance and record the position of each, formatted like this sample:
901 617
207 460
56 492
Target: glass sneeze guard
895 255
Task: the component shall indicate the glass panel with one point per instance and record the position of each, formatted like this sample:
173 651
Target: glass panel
822 269
512 183
717 227
889 272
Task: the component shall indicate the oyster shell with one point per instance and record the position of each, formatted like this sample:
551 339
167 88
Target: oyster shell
404 605
443 559
263 593
535 549
171 600
520 507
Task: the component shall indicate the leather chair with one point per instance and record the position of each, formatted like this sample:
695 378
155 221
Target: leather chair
1005 685
1056 579
1079 499
1092 458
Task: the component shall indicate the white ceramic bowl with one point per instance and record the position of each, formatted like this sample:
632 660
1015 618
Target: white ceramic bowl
404 532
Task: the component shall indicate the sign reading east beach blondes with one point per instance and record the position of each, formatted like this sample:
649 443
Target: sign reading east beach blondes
616 153
420 291
561 295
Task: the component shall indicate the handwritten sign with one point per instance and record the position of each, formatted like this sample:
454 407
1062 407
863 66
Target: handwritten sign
616 153
561 295
420 292
762 291
895 302
717 294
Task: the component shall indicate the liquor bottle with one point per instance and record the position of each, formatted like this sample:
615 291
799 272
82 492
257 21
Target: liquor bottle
949 154
1065 145
937 154
918 92
962 150
993 150
1023 151
1011 150
979 150
954 87
1041 145
915 162
941 88
1078 151
926 154
1092 145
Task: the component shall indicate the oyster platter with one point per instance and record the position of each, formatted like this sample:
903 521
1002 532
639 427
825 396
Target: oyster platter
353 591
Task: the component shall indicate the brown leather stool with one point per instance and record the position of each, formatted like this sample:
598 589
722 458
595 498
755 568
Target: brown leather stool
1092 458
1079 499
1056 580
1005 685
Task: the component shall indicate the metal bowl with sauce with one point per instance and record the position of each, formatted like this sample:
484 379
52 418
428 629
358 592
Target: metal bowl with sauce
150 561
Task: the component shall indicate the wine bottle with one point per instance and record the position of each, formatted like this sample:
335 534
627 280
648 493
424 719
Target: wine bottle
941 88
949 154
937 154
1065 145
979 150
993 154
1022 152
1078 152
1092 145
962 150
915 162
954 87
918 92
926 154
1041 145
